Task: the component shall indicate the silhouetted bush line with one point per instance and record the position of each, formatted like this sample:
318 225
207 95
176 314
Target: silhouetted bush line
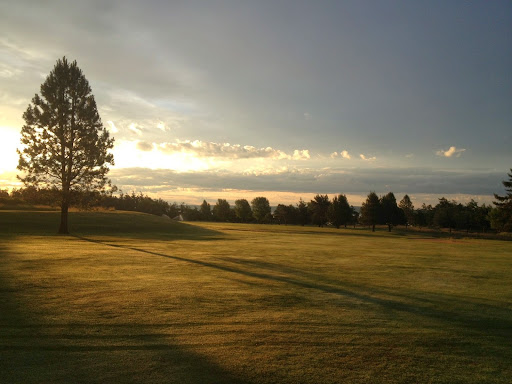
321 211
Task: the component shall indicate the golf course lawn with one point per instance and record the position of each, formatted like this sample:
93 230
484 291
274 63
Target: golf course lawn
130 297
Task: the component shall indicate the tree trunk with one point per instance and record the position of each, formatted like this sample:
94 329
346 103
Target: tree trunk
64 216
373 227
389 227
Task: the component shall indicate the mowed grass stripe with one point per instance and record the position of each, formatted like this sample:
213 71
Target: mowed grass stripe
213 302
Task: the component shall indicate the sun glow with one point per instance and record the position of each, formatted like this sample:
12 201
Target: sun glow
127 155
8 156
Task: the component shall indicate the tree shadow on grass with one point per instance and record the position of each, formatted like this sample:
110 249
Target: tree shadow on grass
49 349
486 319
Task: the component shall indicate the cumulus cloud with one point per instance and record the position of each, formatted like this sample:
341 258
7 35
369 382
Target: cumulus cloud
301 154
344 154
230 151
452 151
363 157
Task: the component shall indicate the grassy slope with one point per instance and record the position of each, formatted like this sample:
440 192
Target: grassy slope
135 298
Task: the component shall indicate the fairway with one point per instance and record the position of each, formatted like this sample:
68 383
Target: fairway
131 297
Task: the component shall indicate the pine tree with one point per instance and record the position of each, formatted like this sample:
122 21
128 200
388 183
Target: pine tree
502 217
408 210
64 144
339 212
370 210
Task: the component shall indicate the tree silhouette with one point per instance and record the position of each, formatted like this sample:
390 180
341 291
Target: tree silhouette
408 210
243 210
261 209
339 212
390 213
370 210
318 208
64 143
502 215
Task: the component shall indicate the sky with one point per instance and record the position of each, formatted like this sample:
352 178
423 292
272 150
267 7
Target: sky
283 99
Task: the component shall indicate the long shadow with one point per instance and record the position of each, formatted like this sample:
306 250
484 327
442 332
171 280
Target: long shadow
476 321
37 350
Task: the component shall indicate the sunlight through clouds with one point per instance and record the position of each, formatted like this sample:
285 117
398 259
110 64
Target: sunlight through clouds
8 156
363 157
130 154
452 151
343 154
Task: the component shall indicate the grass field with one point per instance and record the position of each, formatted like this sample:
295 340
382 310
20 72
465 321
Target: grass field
134 298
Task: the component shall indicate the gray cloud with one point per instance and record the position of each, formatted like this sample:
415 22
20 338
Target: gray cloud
144 146
330 181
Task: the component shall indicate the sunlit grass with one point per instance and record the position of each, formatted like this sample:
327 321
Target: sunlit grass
136 298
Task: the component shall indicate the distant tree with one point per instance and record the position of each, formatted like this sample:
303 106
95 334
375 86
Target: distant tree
318 209
64 142
339 211
390 214
243 210
408 210
370 210
302 213
424 216
191 213
261 210
445 215
502 218
222 211
206 211
354 219
286 214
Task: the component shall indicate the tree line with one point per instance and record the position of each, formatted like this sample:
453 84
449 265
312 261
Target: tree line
320 211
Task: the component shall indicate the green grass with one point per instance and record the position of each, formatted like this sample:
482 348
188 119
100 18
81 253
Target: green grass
135 298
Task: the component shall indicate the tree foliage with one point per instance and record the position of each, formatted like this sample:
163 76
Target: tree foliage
243 210
339 211
408 210
64 144
261 210
390 214
502 218
222 210
206 211
318 208
370 210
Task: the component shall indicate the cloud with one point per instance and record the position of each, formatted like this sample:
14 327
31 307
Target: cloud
327 181
452 151
230 151
363 157
112 127
133 127
344 154
301 154
144 146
